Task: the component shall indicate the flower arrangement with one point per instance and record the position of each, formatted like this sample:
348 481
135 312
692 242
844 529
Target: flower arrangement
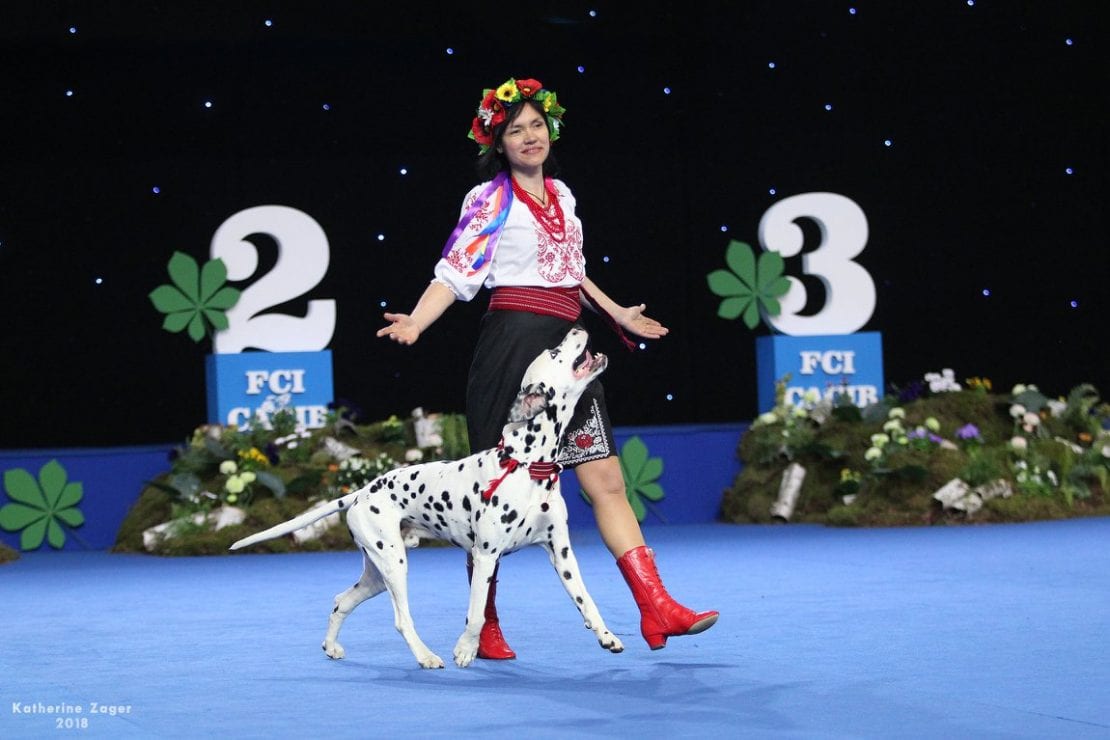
1020 456
493 109
272 474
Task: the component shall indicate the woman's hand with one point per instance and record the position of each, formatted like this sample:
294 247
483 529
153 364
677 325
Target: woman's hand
632 319
402 328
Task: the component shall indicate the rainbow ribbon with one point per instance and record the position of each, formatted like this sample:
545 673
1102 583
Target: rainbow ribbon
480 250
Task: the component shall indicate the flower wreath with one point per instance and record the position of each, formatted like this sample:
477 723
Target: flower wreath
496 103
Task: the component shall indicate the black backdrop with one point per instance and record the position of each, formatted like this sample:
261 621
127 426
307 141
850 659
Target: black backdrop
985 106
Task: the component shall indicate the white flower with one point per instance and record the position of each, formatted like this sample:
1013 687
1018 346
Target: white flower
1018 390
1052 478
767 418
1017 411
1019 444
879 440
932 424
235 484
1106 450
902 439
897 413
247 476
413 455
811 396
799 412
1057 408
1030 420
873 453
892 426
228 467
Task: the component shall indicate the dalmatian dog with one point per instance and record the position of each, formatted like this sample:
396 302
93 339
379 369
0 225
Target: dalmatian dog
491 503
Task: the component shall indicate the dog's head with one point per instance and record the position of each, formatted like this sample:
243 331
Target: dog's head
556 379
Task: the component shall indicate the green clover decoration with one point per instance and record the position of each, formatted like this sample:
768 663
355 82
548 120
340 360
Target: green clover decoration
198 298
749 287
641 474
40 508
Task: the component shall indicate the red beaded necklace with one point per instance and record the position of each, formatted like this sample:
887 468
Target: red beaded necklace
550 217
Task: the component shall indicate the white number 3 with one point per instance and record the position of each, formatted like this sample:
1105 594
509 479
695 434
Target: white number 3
849 289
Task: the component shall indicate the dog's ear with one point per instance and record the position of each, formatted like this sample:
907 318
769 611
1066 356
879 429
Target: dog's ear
531 400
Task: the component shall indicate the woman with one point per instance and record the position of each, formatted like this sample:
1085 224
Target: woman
519 237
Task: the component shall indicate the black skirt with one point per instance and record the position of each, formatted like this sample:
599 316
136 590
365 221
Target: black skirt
507 343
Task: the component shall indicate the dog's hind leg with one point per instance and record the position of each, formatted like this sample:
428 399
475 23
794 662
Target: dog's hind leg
566 565
370 584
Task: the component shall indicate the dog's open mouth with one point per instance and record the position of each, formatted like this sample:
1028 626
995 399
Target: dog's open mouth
586 363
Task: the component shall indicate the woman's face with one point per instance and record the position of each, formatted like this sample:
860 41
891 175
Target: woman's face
526 141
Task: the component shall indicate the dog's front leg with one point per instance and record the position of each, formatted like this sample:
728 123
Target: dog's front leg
566 565
467 646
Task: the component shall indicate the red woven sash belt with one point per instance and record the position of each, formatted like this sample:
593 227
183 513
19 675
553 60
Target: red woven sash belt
563 303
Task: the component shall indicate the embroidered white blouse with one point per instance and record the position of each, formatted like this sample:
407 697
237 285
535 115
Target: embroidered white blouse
525 255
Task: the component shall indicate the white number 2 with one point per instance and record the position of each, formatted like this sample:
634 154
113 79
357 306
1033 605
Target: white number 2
849 289
302 262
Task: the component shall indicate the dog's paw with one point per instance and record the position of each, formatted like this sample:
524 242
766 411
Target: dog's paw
465 651
610 642
431 660
335 651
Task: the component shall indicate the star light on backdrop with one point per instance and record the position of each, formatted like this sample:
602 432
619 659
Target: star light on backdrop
970 195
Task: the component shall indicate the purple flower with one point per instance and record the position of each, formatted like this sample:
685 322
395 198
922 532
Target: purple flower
918 433
911 392
968 432
935 439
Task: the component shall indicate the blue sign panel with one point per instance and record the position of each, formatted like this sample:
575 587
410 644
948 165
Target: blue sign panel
828 365
245 388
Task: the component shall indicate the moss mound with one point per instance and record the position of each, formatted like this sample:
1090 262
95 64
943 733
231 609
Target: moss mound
880 466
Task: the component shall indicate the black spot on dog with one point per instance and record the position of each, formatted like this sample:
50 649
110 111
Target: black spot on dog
333 611
415 475
566 575
341 504
461 466
485 545
427 505
401 561
544 506
476 487
413 495
509 517
426 517
493 501
393 496
550 527
466 503
380 545
375 510
564 553
505 507
438 506
578 599
421 488
477 515
389 485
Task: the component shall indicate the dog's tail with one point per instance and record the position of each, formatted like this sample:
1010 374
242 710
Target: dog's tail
308 517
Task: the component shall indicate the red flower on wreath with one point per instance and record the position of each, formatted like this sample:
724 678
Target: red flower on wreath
528 88
584 441
480 132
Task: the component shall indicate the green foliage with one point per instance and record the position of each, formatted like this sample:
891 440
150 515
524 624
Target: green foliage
890 458
273 474
197 300
750 287
40 509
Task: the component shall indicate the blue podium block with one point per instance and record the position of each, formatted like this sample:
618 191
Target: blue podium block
245 388
828 364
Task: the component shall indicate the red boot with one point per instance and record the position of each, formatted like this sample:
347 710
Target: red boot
660 615
491 643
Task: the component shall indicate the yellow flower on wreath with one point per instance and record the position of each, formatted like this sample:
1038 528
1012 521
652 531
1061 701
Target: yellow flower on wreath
507 92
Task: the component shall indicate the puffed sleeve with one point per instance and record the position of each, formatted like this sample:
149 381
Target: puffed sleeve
455 270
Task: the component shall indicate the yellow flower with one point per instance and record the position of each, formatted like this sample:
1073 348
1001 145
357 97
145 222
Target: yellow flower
507 92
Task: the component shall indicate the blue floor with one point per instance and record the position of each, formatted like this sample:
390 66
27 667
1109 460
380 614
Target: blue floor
947 632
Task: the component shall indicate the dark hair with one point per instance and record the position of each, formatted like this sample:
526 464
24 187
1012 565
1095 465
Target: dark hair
493 161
